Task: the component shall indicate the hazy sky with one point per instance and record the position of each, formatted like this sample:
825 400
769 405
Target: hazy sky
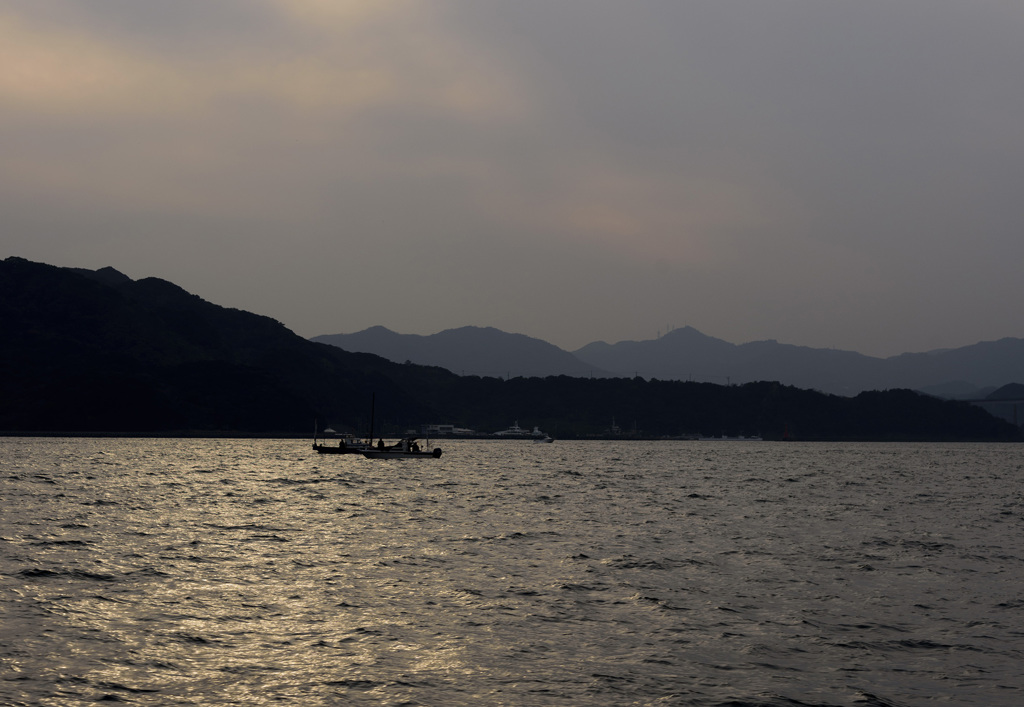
825 173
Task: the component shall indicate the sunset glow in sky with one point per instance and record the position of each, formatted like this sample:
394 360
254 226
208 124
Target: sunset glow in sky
829 174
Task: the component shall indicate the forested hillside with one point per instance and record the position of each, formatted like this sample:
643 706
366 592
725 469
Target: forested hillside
96 352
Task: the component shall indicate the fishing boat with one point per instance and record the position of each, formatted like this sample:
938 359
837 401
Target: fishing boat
347 444
407 448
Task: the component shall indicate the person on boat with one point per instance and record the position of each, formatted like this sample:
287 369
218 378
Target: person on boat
380 444
341 444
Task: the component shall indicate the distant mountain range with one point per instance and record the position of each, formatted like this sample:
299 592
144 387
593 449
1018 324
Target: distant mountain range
686 354
470 351
95 352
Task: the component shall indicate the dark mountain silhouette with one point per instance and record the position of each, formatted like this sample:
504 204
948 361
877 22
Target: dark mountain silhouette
686 354
1007 403
96 352
1011 391
480 351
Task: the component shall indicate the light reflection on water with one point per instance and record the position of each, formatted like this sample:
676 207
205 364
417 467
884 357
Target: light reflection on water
218 572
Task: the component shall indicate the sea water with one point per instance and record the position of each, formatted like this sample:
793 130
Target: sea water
255 572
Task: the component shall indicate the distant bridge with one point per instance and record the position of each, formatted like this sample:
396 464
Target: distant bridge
1006 401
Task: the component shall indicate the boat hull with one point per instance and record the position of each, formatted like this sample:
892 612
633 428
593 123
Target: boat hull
400 454
324 449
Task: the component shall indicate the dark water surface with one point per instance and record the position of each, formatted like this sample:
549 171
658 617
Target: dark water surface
241 572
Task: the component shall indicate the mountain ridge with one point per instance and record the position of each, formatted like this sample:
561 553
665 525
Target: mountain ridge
94 352
468 350
688 354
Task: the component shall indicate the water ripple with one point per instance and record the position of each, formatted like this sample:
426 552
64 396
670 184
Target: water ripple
217 572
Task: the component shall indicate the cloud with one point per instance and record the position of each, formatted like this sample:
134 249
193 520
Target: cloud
136 122
707 161
58 73
684 219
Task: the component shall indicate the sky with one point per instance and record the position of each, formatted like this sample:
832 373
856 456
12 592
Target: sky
831 174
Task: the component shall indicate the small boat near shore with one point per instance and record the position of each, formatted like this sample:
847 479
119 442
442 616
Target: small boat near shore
347 444
517 432
344 447
407 448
